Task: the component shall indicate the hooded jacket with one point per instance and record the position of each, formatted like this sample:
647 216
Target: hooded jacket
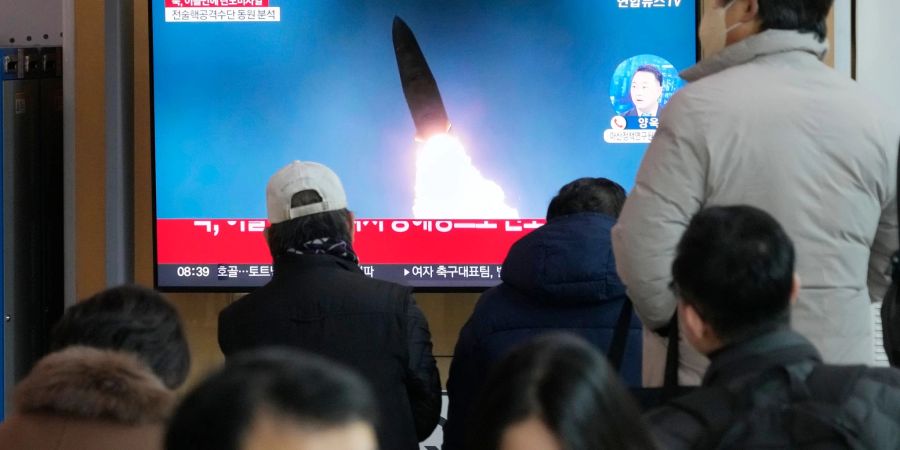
83 398
765 123
560 277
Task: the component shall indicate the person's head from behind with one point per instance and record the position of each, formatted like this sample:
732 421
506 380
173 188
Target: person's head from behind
556 393
647 89
305 203
734 276
726 22
588 195
276 399
131 319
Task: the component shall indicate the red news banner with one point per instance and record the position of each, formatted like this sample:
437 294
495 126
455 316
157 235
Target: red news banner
376 241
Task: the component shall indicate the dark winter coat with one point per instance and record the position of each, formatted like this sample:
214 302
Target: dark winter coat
88 399
325 305
872 408
560 277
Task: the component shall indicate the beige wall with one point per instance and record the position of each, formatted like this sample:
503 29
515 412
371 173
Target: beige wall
199 311
90 148
878 41
446 312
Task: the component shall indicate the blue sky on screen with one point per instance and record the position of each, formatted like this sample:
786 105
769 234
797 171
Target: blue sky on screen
526 86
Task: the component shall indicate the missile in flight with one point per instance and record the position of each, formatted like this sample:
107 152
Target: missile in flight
419 86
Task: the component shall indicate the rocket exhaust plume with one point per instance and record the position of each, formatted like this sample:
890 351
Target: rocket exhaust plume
448 185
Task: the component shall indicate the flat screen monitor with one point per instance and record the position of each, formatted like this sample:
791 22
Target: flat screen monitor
450 123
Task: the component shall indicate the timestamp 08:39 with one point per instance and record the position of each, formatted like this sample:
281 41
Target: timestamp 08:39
193 271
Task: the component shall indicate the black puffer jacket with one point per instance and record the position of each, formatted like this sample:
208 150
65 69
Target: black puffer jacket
325 305
871 409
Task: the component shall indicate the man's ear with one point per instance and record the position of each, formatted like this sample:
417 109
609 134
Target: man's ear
795 288
696 331
694 328
747 10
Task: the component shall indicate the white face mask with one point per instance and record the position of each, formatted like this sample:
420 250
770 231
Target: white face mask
714 31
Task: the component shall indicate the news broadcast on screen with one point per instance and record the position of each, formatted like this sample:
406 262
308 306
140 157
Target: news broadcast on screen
450 124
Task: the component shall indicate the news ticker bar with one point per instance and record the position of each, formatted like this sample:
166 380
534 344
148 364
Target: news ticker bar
235 276
376 241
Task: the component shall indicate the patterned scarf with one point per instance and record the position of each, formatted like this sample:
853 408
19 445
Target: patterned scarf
326 246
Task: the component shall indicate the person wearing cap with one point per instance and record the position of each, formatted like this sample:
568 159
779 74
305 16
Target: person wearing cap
320 301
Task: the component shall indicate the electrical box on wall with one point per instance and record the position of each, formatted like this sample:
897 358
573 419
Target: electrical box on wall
26 23
30 132
31 143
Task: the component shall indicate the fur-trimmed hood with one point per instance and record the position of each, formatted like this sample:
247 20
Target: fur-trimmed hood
89 383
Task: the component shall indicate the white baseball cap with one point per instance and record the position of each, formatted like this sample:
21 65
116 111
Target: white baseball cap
301 176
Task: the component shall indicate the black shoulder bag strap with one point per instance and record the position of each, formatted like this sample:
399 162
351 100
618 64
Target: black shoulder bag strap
620 340
620 336
673 359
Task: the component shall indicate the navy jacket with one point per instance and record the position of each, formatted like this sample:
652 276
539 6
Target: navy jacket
561 277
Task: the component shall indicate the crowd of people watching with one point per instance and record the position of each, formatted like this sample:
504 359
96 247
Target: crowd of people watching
743 262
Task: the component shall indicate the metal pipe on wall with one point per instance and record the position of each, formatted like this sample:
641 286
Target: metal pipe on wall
119 27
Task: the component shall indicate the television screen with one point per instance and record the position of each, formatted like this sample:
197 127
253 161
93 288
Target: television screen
451 124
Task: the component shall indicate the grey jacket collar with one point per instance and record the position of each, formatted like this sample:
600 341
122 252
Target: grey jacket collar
768 42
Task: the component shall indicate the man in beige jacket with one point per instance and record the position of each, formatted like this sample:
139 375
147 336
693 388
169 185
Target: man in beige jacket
764 122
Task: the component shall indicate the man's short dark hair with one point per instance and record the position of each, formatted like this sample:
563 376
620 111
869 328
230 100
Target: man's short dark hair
598 195
806 16
735 266
650 68
131 319
293 233
303 387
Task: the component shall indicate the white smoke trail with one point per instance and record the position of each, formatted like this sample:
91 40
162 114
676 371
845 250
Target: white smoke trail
448 186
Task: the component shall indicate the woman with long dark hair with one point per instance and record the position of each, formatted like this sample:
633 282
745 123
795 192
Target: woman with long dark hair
556 393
